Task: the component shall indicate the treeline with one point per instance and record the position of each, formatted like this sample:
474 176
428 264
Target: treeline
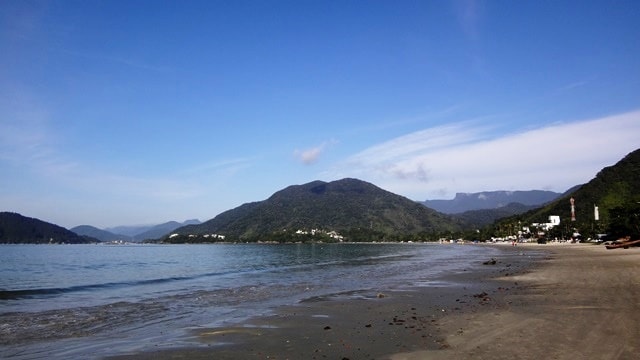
353 235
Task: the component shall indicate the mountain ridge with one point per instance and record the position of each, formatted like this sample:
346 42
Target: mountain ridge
137 232
102 235
463 202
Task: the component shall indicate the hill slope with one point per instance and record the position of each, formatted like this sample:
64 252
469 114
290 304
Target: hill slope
613 187
347 205
18 229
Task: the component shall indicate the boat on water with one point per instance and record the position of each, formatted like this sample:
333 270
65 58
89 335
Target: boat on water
622 244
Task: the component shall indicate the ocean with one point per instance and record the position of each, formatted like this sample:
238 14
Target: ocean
92 301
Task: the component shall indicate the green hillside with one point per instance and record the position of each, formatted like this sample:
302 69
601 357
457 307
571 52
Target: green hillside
18 229
615 190
356 209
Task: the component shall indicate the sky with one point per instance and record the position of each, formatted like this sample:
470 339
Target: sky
141 112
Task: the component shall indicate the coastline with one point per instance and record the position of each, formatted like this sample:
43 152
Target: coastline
399 322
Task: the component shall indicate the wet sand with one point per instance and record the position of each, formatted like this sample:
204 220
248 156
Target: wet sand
373 324
572 302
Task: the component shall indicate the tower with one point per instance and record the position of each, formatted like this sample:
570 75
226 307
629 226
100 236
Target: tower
573 209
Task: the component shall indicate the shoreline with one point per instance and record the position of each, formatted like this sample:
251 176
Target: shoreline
363 324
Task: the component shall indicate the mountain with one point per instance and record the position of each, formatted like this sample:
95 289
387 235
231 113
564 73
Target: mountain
614 188
475 219
490 200
102 235
161 230
146 232
18 229
354 208
129 230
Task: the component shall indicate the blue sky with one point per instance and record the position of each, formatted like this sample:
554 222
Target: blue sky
141 112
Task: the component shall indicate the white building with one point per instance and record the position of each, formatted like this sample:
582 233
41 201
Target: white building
554 220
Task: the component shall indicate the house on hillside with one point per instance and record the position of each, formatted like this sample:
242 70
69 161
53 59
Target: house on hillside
554 220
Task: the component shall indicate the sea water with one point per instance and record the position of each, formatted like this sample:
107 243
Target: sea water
60 301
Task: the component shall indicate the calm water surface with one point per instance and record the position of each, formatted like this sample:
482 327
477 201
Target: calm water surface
59 301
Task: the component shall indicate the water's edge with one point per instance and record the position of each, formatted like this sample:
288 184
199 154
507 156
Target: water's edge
163 318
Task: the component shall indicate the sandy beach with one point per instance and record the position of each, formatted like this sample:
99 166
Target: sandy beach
581 303
535 302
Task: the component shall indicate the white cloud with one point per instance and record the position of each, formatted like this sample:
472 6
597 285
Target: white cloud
308 156
311 155
464 157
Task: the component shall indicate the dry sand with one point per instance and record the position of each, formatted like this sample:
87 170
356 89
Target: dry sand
583 303
577 302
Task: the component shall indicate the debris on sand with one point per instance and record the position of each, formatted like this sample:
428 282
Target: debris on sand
490 262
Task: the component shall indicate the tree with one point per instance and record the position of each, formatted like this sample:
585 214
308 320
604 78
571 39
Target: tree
625 221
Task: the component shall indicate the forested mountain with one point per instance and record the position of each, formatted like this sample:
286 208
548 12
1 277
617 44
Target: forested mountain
356 209
490 200
18 229
615 190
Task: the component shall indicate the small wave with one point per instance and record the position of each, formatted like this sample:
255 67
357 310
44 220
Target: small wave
16 328
364 294
28 293
17 294
50 292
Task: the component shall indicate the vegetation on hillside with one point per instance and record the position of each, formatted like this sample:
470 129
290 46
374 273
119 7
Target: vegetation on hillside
356 209
18 229
614 190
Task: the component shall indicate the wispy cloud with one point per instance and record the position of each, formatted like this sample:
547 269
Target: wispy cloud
438 115
29 141
221 167
467 157
311 155
24 134
389 153
469 15
573 85
120 60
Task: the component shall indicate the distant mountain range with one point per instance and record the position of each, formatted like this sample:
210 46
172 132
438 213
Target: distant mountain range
475 219
491 200
352 207
102 235
131 233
